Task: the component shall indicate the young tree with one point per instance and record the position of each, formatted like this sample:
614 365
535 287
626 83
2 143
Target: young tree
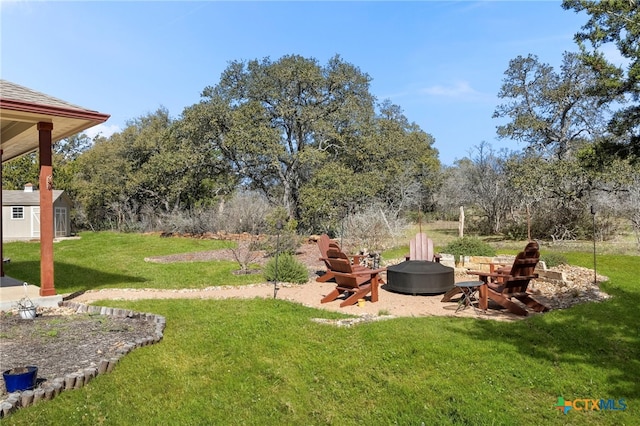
616 22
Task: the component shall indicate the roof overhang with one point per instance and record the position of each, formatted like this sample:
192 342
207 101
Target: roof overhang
21 110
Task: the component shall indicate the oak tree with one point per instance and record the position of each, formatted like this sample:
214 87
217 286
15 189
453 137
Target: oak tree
553 113
273 119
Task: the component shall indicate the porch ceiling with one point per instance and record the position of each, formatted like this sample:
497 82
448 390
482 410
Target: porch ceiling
21 109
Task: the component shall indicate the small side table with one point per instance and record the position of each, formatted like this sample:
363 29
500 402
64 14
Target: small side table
469 291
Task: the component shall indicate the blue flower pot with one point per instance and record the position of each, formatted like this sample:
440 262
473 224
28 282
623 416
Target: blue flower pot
16 379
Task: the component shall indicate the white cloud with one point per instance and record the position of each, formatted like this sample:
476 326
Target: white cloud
459 89
104 130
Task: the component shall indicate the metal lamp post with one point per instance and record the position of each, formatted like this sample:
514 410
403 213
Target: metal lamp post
595 275
275 281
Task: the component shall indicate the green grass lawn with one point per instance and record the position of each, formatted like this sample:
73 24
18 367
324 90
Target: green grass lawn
115 260
262 362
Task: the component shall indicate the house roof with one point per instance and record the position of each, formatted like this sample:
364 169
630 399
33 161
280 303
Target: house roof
21 109
22 198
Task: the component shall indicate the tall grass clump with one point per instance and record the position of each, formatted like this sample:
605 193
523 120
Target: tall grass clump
289 270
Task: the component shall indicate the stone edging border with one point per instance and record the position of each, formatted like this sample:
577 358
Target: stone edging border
77 380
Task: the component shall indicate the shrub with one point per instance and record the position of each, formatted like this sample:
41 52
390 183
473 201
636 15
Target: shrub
469 246
515 231
290 270
553 259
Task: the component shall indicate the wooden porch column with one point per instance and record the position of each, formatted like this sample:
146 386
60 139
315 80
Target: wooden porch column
47 287
1 224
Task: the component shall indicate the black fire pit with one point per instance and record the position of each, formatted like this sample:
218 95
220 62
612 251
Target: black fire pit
419 277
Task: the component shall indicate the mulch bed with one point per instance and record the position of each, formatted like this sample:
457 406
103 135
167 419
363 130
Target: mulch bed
60 342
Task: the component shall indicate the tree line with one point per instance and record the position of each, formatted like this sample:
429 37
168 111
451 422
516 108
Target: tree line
307 144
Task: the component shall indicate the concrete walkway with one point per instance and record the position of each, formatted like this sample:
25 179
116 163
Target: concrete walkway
12 290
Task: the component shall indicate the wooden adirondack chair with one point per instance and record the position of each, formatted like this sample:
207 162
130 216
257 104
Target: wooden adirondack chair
504 285
356 283
421 248
324 244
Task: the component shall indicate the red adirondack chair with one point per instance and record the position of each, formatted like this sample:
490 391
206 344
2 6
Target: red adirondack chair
356 283
506 284
324 244
421 248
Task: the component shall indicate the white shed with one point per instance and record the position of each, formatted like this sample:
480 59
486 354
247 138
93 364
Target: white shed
21 214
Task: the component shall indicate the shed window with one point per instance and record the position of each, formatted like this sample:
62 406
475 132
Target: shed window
17 212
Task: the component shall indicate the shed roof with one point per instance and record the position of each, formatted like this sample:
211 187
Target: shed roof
22 198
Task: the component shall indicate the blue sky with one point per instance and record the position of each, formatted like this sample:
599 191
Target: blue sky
441 62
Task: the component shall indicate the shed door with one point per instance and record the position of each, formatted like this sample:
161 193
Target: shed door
60 221
35 222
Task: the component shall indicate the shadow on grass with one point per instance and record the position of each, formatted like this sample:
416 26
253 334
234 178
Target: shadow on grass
603 335
68 277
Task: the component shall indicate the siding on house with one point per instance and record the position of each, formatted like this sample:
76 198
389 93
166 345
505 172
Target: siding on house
27 227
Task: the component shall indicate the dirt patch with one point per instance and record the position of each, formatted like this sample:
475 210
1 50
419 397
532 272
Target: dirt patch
258 257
